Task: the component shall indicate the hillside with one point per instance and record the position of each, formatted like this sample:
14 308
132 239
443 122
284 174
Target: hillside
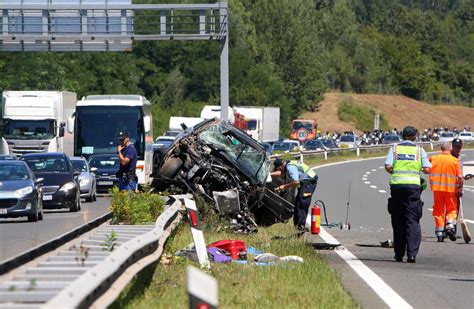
398 110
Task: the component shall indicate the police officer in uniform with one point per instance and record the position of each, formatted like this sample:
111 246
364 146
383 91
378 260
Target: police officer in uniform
404 163
127 155
299 176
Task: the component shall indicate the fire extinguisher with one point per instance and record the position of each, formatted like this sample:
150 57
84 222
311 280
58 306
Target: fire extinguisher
315 219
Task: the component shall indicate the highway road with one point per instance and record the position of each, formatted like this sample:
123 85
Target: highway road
18 235
443 275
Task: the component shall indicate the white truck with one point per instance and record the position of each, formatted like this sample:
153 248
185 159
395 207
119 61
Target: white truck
260 122
34 121
175 122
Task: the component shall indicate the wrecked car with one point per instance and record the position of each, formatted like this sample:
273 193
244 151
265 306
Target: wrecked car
225 165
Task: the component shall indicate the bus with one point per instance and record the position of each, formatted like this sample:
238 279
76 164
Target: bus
303 129
100 119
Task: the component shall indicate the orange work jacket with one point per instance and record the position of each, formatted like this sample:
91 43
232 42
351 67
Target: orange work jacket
445 173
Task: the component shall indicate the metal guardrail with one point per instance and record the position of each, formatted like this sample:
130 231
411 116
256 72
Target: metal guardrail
432 146
85 272
89 286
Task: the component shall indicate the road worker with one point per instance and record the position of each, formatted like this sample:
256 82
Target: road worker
299 176
445 181
404 163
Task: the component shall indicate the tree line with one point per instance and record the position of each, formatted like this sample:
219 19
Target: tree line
284 53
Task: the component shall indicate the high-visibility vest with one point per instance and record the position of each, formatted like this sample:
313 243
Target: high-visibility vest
303 168
406 165
444 173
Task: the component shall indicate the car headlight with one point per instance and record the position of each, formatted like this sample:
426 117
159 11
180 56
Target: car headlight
68 187
84 181
23 191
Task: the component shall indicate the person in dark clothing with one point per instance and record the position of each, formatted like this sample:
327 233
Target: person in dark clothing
404 163
127 155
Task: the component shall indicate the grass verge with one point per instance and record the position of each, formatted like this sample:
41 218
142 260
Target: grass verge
287 285
361 116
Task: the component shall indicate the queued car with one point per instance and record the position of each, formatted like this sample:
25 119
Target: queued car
60 183
466 136
8 157
446 137
224 165
267 147
87 179
329 143
348 140
107 166
172 133
391 139
314 144
20 192
285 146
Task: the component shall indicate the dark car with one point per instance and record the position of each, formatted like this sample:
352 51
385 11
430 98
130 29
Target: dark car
267 147
20 193
8 157
216 160
314 144
391 139
107 166
329 143
60 182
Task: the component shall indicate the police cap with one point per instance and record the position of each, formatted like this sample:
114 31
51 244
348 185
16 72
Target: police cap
277 163
409 131
122 136
457 141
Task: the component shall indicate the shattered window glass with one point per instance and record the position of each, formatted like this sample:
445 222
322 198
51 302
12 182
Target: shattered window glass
244 155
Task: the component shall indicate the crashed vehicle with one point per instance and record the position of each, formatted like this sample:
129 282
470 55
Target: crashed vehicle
222 163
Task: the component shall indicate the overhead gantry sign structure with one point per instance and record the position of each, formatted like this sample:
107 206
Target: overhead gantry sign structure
112 25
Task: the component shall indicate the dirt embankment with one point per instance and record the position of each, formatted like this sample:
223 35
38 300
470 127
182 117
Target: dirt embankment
398 110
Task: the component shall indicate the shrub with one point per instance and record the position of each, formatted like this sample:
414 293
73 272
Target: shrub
362 116
135 208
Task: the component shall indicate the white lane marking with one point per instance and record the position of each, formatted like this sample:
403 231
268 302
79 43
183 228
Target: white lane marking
373 170
367 182
373 187
367 173
364 178
382 191
382 289
470 187
382 167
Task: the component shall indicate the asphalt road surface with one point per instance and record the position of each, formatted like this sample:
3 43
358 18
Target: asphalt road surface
18 235
443 276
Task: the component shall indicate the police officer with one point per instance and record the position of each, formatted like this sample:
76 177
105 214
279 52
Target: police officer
127 155
404 163
300 176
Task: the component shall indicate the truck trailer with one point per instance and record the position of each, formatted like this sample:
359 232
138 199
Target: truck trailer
34 121
260 122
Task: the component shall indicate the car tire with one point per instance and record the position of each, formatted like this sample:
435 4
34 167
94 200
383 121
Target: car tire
34 217
40 215
171 167
90 198
77 205
94 197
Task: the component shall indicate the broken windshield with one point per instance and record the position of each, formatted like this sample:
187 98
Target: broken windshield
251 159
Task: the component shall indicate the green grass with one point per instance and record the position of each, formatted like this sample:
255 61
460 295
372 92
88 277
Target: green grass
361 116
288 285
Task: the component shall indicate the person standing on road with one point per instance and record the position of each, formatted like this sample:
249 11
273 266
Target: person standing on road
127 155
456 152
300 176
446 182
404 163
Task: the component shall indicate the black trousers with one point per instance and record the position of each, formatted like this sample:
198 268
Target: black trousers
302 203
406 209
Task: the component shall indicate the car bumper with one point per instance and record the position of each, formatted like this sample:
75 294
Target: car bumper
105 184
59 200
12 208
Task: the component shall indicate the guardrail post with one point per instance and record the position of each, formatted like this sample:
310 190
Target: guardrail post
325 155
431 145
358 151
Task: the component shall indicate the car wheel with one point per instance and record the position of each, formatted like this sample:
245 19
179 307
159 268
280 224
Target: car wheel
33 217
78 201
76 206
40 215
94 198
90 198
171 167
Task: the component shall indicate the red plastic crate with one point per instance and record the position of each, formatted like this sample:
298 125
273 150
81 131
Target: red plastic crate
236 248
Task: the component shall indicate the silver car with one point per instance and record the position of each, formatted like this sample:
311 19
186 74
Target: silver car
87 179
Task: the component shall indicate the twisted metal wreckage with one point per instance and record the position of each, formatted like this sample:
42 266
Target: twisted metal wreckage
216 160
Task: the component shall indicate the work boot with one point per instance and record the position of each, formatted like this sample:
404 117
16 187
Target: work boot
411 259
398 258
449 230
440 236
